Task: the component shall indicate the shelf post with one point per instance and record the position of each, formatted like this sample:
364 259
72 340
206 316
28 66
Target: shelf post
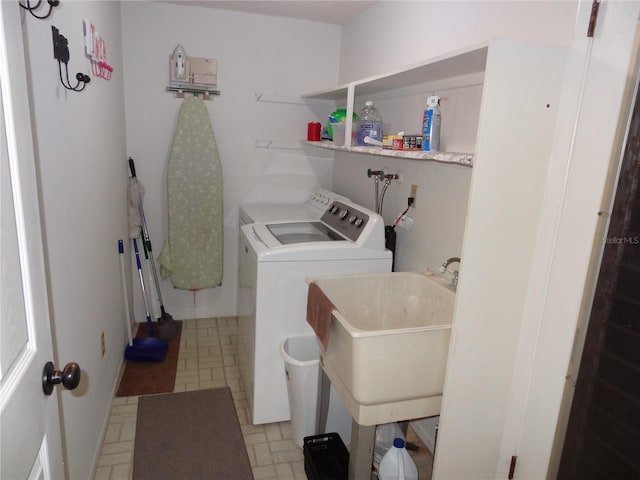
348 128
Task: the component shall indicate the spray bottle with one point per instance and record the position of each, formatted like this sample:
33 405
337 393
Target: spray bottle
431 125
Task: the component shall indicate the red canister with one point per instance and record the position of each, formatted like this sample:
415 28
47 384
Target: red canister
313 131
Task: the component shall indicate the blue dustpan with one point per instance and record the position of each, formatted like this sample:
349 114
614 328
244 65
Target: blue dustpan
148 349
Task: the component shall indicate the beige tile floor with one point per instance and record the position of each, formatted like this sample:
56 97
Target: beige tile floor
208 358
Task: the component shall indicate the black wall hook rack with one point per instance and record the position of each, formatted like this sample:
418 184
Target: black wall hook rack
61 54
32 8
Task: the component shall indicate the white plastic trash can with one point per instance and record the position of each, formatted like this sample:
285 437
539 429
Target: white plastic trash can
301 365
301 357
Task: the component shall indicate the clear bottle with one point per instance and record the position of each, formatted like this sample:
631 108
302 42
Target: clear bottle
369 124
397 464
431 125
385 434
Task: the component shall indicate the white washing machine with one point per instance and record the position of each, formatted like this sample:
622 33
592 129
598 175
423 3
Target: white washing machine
274 260
318 201
312 209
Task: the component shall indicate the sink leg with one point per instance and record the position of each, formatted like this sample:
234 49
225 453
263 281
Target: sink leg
322 412
361 451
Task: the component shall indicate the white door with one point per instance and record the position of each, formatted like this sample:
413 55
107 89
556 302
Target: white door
30 440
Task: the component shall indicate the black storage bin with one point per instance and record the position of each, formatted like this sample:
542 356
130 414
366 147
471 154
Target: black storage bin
325 457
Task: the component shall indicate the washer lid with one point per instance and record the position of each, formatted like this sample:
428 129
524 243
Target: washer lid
255 213
303 232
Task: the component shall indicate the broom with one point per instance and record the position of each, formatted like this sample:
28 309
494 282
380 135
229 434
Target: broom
167 326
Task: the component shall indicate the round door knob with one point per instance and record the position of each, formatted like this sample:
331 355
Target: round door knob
69 377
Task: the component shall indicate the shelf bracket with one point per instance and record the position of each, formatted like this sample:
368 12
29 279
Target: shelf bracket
268 98
288 100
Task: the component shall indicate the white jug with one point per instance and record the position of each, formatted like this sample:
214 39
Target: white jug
385 434
397 464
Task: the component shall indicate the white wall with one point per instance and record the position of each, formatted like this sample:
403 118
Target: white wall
256 54
80 146
413 31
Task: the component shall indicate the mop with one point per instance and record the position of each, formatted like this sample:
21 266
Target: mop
167 326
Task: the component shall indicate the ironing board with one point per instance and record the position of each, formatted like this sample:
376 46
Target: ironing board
192 254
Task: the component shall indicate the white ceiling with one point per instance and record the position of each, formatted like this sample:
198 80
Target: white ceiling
338 12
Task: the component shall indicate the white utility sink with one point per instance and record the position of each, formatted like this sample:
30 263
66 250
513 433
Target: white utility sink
388 343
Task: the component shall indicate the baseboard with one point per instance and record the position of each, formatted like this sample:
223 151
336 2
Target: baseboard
107 418
190 314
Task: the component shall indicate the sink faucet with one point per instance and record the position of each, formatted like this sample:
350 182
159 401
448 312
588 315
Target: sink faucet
443 268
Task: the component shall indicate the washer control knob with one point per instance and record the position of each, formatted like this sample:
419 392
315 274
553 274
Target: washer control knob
333 209
343 214
359 222
353 219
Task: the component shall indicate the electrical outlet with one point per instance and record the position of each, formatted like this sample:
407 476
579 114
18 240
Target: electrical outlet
414 195
102 346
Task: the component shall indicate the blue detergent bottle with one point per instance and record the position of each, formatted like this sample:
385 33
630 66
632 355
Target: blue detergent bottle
431 125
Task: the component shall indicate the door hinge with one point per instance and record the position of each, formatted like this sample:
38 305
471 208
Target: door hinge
512 467
595 6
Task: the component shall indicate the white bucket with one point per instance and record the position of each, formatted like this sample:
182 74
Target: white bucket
301 357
